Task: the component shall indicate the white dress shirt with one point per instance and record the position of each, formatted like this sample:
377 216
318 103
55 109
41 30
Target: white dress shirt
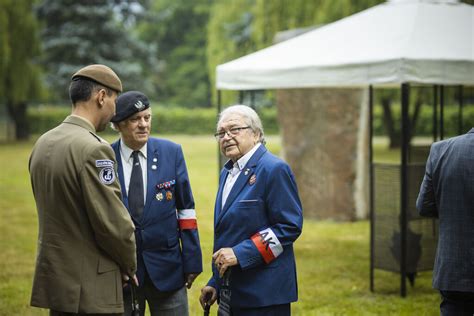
235 172
127 165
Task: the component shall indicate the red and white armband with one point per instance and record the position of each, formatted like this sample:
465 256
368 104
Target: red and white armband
267 244
187 219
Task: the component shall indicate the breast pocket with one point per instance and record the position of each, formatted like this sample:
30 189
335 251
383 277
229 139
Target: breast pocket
252 211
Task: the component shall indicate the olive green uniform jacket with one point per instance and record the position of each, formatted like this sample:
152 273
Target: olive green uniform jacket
86 236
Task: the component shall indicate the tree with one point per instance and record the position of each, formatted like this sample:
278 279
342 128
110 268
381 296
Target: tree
19 72
229 35
81 32
178 29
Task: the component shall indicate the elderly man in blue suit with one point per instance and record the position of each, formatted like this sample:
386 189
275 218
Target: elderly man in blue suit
447 192
257 218
157 193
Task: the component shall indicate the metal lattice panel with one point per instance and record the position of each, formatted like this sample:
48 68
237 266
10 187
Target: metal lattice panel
421 232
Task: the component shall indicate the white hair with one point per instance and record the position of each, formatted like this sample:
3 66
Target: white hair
248 114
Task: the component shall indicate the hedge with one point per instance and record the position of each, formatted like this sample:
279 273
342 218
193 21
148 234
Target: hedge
424 123
166 120
175 120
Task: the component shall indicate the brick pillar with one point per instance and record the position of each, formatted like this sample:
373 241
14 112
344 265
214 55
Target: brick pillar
320 130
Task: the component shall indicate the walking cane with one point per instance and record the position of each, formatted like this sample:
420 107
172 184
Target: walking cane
224 295
135 306
207 306
207 309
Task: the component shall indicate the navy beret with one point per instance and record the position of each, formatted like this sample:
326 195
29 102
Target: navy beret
128 104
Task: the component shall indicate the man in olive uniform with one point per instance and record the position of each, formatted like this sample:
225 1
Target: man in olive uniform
86 242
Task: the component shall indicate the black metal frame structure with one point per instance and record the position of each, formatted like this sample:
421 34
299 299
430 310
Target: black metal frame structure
438 134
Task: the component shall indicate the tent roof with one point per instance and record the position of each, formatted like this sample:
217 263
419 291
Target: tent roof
395 42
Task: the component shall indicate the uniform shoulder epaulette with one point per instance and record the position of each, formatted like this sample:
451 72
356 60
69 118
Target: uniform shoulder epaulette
100 139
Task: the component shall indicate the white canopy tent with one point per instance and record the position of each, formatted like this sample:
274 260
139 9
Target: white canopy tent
400 41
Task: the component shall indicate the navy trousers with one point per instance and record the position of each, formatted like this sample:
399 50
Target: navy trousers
457 303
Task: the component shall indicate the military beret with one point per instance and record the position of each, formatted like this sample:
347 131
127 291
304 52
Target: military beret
128 104
100 74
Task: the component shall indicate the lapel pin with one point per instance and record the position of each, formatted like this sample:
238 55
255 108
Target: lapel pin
159 196
252 179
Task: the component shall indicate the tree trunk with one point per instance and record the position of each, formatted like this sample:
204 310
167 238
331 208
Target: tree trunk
393 135
416 114
17 112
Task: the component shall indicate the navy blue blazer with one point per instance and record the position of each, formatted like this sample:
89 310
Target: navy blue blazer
166 234
260 220
447 192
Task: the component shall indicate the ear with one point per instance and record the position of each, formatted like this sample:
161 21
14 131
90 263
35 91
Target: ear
101 94
116 126
256 137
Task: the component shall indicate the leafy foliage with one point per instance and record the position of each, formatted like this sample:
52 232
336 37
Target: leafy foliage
19 72
81 32
177 29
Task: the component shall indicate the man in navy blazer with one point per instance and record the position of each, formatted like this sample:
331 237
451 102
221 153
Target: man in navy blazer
157 193
257 218
447 192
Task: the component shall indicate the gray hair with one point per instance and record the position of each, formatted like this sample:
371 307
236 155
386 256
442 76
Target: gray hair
248 114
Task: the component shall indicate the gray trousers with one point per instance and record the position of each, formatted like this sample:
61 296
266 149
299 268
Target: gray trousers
173 303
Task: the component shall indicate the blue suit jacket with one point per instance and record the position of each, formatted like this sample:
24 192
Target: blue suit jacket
166 251
265 199
447 192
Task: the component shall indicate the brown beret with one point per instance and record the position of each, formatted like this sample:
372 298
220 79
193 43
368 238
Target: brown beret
100 74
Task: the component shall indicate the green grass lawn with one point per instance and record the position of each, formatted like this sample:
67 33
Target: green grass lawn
332 258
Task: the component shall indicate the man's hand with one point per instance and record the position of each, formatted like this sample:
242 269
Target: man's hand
126 278
223 259
208 296
190 277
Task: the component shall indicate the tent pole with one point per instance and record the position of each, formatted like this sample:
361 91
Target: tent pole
371 188
435 113
461 104
219 156
241 97
441 112
252 99
403 190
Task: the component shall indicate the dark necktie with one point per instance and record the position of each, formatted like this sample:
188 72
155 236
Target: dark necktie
135 189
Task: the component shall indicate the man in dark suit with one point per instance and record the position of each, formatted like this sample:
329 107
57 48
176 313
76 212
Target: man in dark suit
85 237
157 193
257 218
447 192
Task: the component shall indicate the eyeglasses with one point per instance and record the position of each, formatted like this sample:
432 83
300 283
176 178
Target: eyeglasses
234 131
